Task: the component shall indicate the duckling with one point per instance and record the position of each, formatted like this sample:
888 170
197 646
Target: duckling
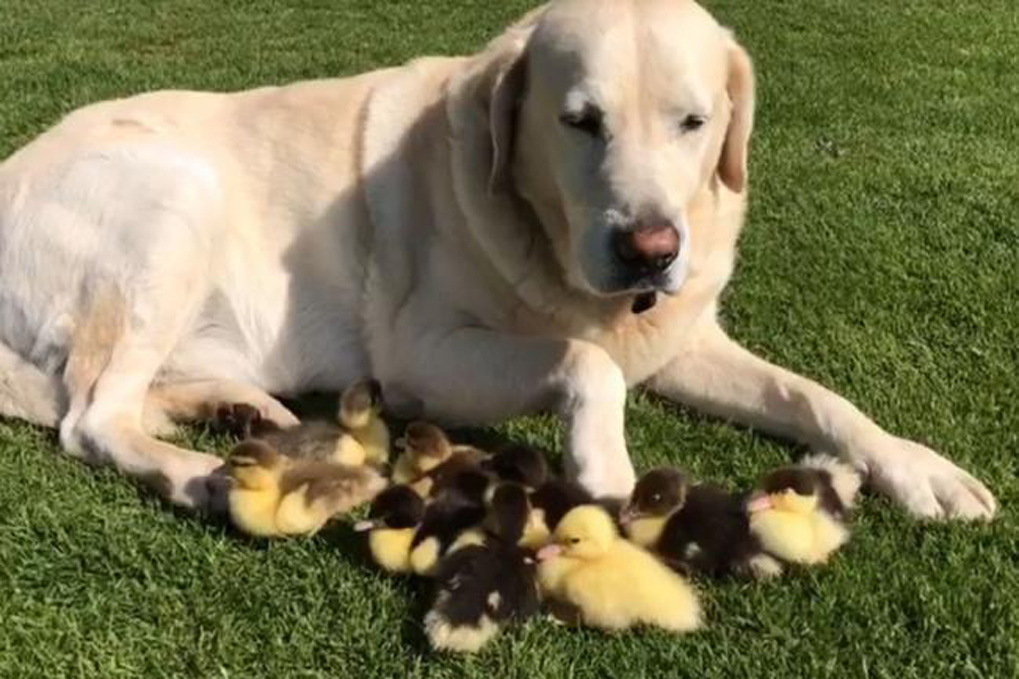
392 521
613 583
361 415
272 496
800 514
518 464
483 587
458 507
425 447
358 436
694 528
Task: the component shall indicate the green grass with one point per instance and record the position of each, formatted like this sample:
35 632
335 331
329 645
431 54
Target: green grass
879 257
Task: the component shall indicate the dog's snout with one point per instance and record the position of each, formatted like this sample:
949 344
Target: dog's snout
650 247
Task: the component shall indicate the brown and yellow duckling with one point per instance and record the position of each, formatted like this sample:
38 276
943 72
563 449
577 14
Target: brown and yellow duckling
694 528
392 521
275 496
424 447
486 583
358 436
800 512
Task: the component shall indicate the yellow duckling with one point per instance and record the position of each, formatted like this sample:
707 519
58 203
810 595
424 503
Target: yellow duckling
425 447
275 496
613 583
800 515
361 415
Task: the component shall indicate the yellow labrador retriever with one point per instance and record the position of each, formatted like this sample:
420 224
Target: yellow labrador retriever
538 226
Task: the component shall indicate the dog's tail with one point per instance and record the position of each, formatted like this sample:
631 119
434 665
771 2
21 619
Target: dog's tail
28 393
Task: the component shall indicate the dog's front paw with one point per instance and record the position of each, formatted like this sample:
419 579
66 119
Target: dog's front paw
195 481
927 484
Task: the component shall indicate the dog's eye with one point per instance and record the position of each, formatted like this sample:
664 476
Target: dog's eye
587 120
692 123
656 497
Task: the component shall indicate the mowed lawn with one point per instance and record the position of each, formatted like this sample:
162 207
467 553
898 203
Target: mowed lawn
880 257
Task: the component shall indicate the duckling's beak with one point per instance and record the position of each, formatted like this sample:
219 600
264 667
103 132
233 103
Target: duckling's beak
759 502
549 552
365 526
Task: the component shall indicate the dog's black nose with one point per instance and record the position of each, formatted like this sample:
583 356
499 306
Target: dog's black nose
649 248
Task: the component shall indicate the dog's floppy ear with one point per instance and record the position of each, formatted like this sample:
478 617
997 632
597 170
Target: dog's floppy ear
732 165
505 92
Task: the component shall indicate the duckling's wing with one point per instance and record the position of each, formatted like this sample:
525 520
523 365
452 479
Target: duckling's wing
295 516
333 488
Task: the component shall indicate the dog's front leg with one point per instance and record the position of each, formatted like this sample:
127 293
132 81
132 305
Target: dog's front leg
476 376
714 374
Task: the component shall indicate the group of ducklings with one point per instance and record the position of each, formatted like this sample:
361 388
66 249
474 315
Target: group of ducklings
500 537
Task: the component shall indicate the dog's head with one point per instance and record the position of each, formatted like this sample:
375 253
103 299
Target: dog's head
607 117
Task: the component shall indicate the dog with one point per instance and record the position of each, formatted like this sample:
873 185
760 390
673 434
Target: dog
537 227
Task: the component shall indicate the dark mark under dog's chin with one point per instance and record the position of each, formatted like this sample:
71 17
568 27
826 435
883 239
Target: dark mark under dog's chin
644 301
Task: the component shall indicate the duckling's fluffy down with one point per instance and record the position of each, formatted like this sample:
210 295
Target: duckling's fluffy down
845 480
626 586
614 583
480 588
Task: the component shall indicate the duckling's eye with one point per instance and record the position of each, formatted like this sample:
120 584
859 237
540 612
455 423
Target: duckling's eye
657 497
692 123
574 541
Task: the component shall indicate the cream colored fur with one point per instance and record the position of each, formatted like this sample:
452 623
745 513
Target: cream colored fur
433 225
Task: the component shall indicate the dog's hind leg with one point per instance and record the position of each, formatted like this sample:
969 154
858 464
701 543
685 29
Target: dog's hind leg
117 348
